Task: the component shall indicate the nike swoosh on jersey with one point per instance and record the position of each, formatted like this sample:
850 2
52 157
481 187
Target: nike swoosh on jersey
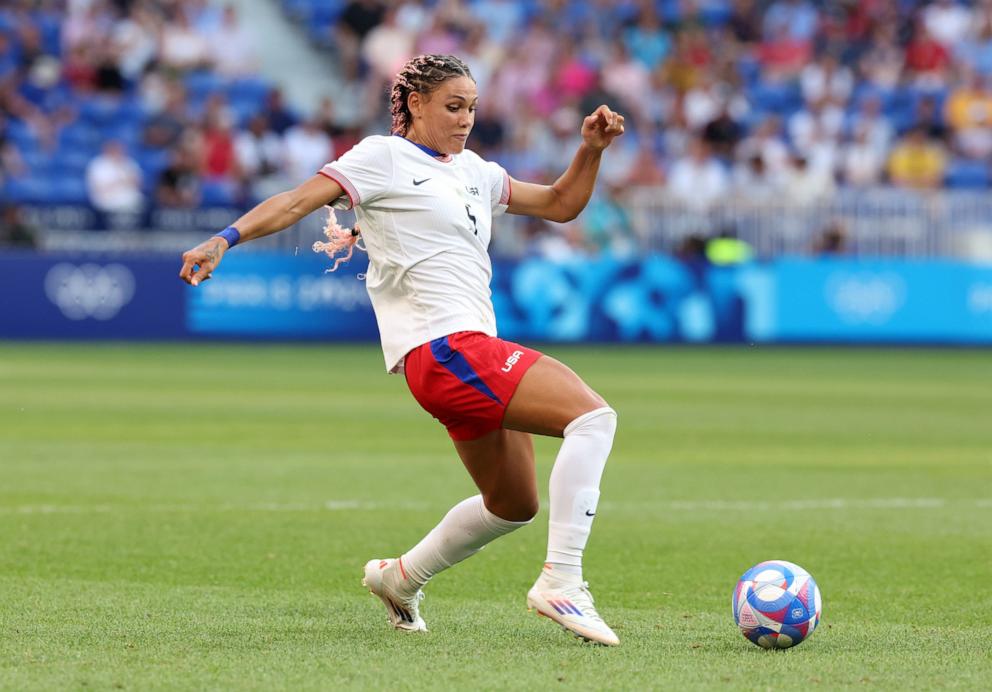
420 182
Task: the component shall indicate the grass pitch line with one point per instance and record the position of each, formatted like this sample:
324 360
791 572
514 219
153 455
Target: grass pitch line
373 506
825 503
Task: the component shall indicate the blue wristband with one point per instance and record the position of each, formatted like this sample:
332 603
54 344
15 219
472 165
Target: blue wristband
231 235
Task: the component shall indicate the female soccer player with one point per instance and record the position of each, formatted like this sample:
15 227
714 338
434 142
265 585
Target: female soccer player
424 205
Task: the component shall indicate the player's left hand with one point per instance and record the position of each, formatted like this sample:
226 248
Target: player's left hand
600 128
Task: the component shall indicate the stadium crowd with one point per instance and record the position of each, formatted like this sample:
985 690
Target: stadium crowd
124 104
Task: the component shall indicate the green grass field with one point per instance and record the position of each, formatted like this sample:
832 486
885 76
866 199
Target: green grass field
178 517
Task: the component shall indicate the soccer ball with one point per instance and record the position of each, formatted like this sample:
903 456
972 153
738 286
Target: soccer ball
777 604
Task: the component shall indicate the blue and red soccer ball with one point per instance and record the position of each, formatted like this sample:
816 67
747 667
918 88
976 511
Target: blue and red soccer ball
777 604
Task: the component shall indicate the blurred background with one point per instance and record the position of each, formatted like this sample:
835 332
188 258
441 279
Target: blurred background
792 171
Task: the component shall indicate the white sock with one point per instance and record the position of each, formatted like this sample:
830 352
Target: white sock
464 531
574 489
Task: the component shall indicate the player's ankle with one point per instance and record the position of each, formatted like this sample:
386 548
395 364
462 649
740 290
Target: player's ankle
562 571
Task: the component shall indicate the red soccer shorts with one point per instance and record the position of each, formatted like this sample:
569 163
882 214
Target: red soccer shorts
466 380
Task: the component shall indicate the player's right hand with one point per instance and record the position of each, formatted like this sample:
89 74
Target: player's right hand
200 262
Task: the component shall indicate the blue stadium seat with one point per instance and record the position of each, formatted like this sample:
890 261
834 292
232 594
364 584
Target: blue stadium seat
68 190
73 160
776 97
100 110
248 88
201 84
326 13
217 193
152 161
128 133
21 136
50 27
80 136
715 14
965 174
30 189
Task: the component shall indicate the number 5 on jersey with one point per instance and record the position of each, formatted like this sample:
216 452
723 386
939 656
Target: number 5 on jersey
468 210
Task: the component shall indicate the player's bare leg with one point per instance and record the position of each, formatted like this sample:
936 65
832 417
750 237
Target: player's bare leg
553 400
502 465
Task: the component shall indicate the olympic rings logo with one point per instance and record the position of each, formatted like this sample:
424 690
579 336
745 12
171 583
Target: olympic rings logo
89 290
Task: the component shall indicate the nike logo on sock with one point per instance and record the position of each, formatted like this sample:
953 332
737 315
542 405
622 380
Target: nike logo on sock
590 514
420 182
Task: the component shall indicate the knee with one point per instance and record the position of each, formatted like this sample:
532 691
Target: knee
598 422
513 508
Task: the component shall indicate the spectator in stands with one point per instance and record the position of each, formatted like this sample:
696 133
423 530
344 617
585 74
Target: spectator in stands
85 24
947 22
975 51
917 162
355 98
308 148
871 121
481 54
647 41
489 132
30 49
882 63
928 117
702 103
78 69
279 115
107 78
573 78
816 122
745 23
766 141
862 162
502 19
135 41
357 19
179 183
751 182
832 240
808 184
723 132
11 163
387 47
15 232
797 18
782 55
232 47
260 155
441 36
679 69
629 81
968 112
219 159
606 225
644 169
181 48
698 179
164 129
826 80
113 180
927 61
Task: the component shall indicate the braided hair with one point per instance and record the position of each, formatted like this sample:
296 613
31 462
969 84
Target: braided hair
422 74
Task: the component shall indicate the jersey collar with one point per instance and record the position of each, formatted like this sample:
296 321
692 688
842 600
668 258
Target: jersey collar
426 149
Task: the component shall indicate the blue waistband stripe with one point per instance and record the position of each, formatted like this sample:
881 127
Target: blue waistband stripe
455 363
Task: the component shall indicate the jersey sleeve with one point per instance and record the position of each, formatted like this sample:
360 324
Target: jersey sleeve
499 187
364 172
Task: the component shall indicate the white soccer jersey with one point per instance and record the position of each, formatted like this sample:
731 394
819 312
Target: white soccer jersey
426 222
